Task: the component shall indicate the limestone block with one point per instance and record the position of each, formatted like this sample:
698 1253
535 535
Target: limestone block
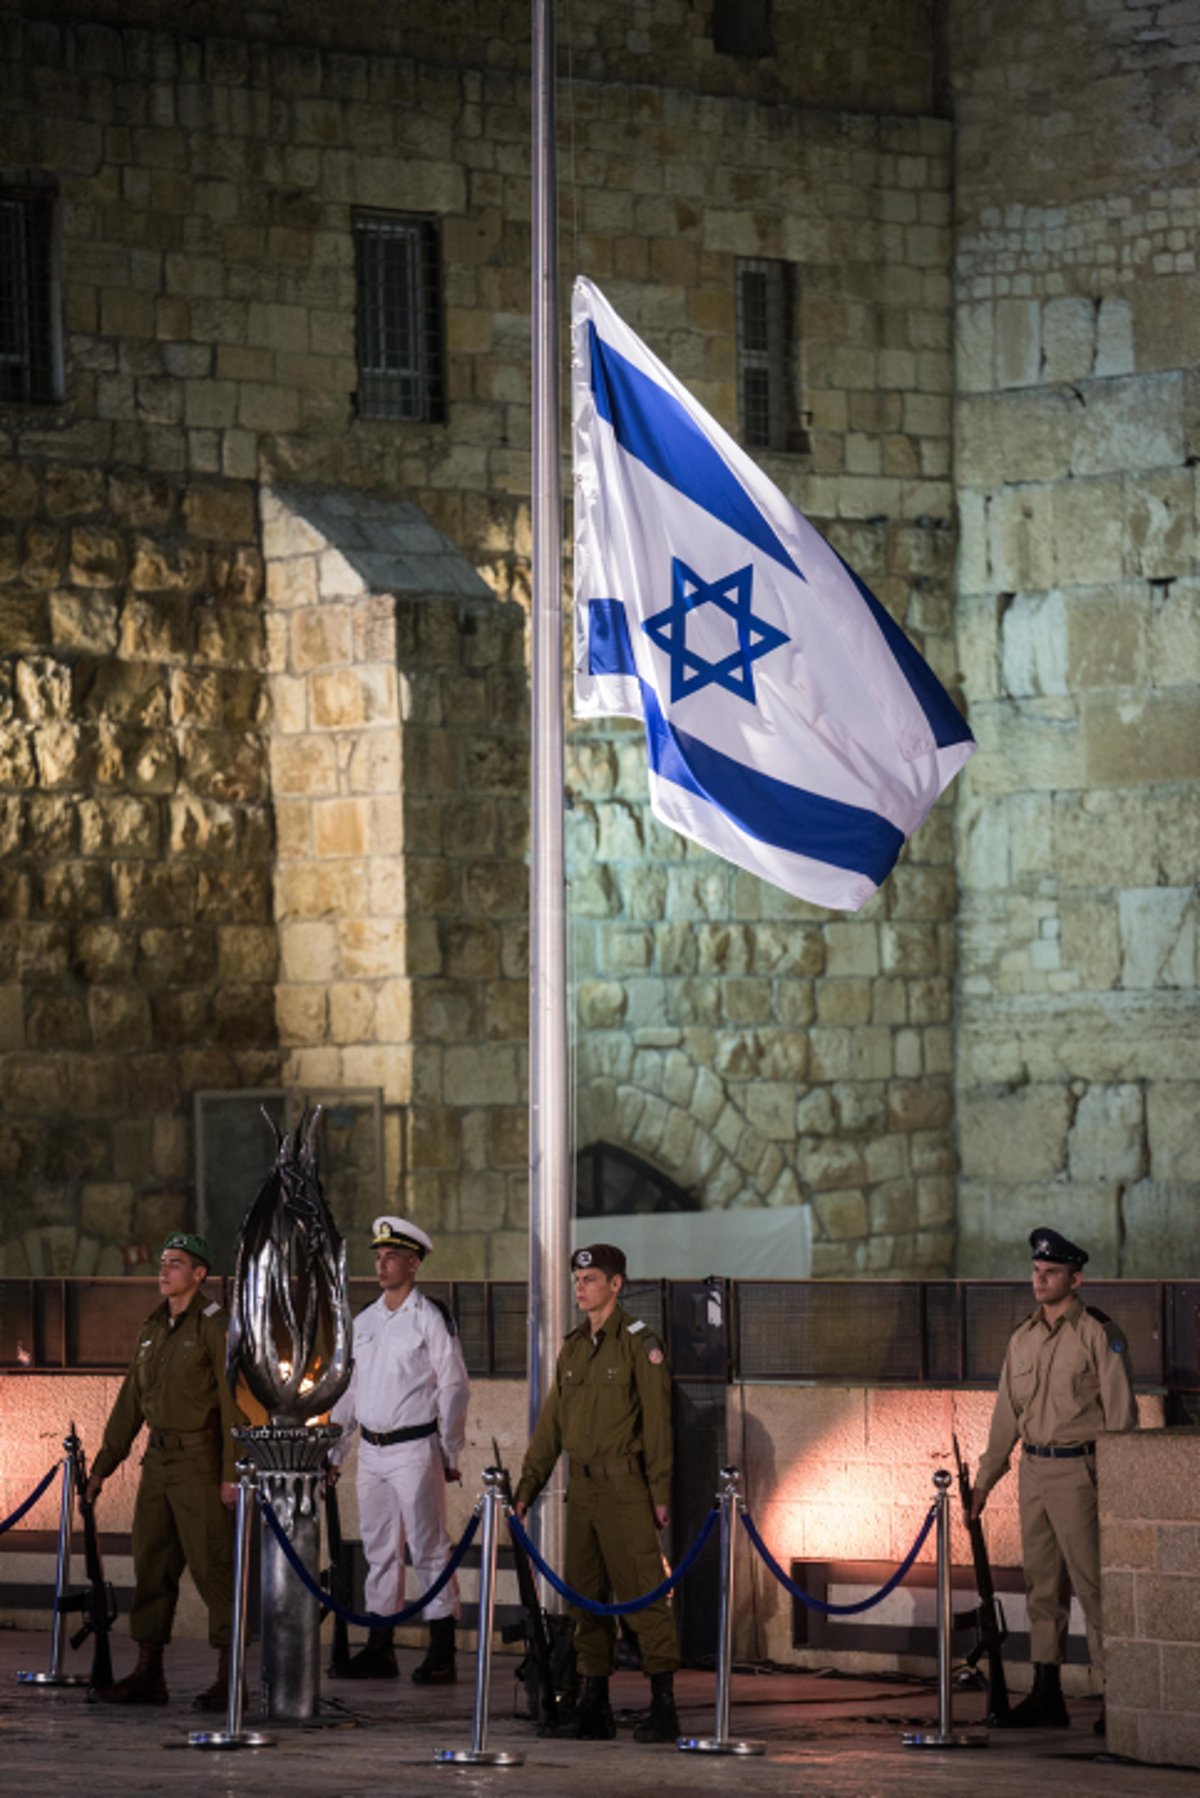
1114 337
1068 338
1018 343
1019 1135
1021 538
1158 936
1104 839
309 951
1027 745
1160 524
1087 527
996 1217
222 512
771 1109
1090 941
1161 324
80 622
974 351
1160 1230
1107 637
1172 1110
1033 645
1128 425
1107 1137
1173 635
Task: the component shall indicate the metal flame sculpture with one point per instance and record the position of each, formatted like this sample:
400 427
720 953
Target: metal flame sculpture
290 1333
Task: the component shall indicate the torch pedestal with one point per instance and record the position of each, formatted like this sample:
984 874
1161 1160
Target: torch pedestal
290 1462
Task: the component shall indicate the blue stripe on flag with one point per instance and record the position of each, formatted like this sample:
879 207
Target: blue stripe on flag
651 424
945 720
609 649
786 817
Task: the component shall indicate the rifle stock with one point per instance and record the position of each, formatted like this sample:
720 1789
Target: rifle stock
988 1616
98 1603
551 1698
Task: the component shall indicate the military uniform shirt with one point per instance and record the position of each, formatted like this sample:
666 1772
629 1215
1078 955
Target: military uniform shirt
610 1398
1062 1384
408 1371
177 1382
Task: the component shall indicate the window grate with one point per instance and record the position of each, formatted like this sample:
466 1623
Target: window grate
30 340
400 335
766 356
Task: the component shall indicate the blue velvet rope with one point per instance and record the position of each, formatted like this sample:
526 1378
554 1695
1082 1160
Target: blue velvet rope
29 1503
366 1619
840 1610
632 1604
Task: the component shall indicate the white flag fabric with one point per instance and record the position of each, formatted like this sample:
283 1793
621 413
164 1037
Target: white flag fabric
791 726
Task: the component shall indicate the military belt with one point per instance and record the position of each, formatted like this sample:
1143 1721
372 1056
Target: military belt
180 1438
1061 1454
385 1438
596 1470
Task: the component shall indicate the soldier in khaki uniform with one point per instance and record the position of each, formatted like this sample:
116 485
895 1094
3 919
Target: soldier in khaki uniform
610 1411
1066 1380
183 1515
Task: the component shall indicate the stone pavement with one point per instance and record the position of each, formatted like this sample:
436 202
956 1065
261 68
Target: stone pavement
826 1737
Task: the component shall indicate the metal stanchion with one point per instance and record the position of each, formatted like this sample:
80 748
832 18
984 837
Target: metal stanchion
944 1736
62 1579
233 1735
479 1754
729 1499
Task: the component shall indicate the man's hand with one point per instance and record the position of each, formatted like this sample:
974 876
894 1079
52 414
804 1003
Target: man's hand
91 1491
978 1500
662 1516
453 1474
229 1494
520 1510
332 1475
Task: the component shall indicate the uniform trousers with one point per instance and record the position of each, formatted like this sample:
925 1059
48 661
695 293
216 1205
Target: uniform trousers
613 1551
179 1521
402 1499
1060 1540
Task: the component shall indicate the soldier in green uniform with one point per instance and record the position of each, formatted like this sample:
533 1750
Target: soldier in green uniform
609 1409
183 1516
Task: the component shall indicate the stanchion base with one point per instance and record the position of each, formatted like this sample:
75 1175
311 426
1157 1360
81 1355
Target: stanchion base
53 1679
229 1738
477 1757
934 1738
717 1745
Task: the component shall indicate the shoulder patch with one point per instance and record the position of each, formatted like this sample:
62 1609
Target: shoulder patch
635 1326
654 1354
211 1310
446 1314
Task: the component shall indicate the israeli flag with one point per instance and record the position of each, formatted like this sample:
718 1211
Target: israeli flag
791 726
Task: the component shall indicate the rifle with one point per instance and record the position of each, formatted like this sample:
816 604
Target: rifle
337 1580
987 1618
548 1671
98 1604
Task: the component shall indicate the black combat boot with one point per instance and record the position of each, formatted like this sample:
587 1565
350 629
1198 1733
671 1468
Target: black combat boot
1044 1707
145 1685
594 1721
377 1660
439 1667
662 1723
216 1696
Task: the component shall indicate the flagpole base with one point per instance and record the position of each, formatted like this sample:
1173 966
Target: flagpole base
229 1738
477 1757
936 1738
53 1679
717 1745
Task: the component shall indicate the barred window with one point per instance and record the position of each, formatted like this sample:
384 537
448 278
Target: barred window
31 371
742 28
766 356
400 333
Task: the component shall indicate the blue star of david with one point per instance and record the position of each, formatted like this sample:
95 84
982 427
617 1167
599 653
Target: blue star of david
690 672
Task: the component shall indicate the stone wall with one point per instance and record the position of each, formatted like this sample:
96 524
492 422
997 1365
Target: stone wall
1078 1079
754 1049
1150 1583
137 953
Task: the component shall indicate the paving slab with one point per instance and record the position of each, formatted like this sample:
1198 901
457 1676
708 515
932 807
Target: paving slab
824 1737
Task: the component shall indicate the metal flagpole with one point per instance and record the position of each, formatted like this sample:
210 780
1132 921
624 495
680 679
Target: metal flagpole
549 1109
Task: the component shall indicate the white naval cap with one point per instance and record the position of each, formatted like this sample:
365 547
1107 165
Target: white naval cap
398 1233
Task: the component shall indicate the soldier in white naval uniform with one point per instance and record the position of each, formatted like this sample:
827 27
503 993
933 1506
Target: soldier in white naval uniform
408 1399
